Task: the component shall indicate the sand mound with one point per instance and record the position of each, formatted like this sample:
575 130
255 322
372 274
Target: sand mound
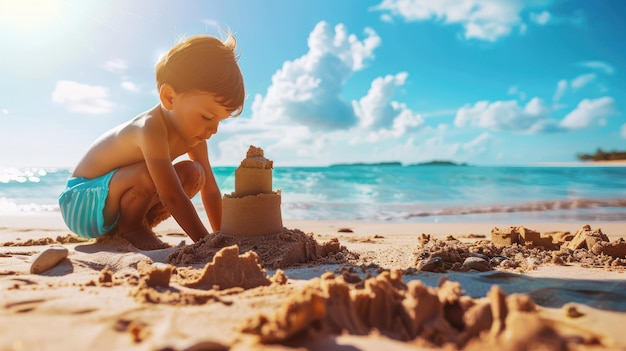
229 269
589 248
413 312
228 273
288 248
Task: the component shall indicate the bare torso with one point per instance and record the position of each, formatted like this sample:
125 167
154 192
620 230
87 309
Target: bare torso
120 146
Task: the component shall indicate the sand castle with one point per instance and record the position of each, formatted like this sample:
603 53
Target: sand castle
254 208
523 236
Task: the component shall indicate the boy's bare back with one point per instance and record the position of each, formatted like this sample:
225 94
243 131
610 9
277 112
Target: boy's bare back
118 147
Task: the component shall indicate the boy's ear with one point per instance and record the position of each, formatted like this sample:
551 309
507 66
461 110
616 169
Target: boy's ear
166 95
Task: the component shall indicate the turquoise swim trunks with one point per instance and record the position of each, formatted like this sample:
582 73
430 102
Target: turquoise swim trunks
82 203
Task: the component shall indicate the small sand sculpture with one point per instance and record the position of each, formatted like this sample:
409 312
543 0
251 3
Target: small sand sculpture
228 273
585 238
253 209
229 269
521 235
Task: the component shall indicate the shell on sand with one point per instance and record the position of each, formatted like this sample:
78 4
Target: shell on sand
48 258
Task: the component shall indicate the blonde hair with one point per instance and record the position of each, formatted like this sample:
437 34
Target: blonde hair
206 64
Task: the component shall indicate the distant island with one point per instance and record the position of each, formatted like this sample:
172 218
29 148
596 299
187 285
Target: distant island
602 155
397 163
439 163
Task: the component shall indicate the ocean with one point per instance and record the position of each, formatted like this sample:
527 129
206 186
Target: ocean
396 193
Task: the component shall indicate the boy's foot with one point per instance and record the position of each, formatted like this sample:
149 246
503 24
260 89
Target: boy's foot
144 239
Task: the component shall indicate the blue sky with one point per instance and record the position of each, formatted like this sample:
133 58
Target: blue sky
479 81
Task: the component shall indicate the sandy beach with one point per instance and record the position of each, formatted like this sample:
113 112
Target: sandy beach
350 175
360 287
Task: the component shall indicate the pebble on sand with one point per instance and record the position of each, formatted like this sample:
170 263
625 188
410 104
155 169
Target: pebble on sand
48 258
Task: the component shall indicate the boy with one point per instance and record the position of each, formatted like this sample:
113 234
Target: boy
126 182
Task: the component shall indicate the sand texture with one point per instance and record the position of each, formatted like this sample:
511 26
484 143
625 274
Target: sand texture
320 285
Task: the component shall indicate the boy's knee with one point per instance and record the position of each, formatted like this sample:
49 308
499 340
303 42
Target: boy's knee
189 167
191 172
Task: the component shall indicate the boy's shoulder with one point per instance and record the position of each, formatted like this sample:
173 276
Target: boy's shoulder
149 119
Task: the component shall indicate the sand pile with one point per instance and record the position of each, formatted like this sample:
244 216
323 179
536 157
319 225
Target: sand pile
229 273
521 249
67 239
414 313
288 248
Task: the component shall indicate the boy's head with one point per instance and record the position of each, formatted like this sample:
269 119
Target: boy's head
204 64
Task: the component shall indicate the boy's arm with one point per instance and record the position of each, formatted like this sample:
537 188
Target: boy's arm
157 157
210 193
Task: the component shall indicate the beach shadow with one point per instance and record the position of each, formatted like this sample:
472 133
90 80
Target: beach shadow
557 297
105 247
65 267
547 292
306 272
122 247
162 255
117 256
551 292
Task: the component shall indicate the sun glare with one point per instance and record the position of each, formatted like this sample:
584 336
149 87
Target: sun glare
29 15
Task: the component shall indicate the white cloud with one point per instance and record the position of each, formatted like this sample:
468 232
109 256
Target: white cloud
601 66
623 130
534 117
385 17
210 22
582 80
487 20
430 145
479 144
117 66
406 119
588 112
514 90
503 115
536 107
5 111
561 88
541 17
130 86
374 109
576 84
91 99
379 113
546 18
308 89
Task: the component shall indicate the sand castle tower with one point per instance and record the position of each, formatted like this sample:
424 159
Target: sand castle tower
253 209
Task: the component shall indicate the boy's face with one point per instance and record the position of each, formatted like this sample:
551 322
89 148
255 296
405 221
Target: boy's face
197 116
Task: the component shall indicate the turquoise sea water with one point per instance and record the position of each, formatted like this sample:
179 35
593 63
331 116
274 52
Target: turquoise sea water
394 192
